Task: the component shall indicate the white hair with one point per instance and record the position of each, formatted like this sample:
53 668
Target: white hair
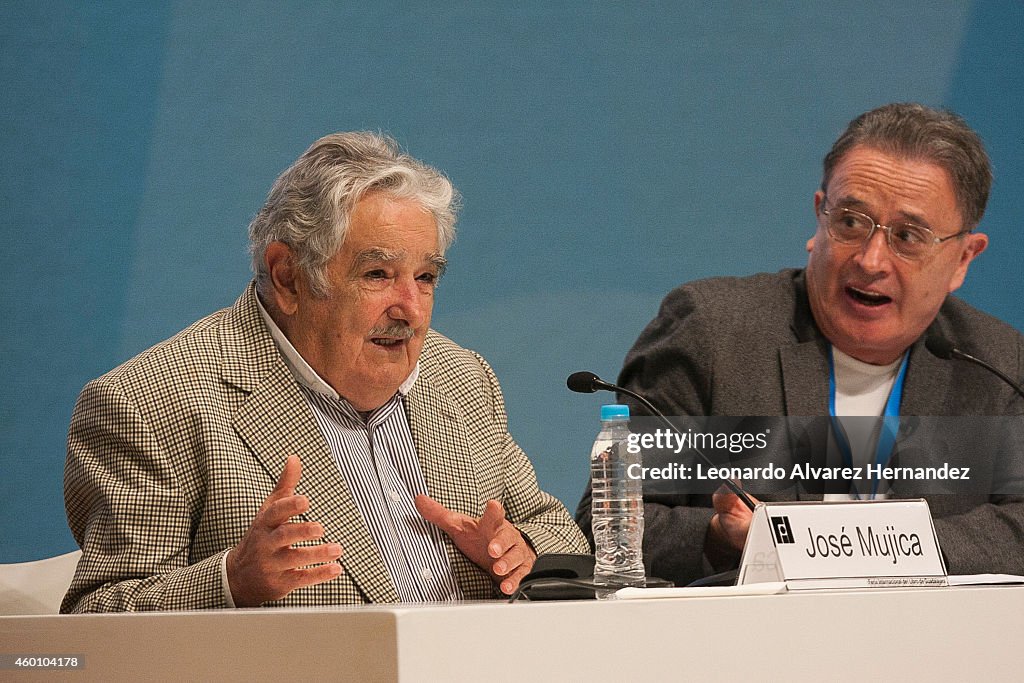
311 203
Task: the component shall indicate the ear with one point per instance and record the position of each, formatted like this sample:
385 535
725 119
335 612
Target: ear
819 198
974 244
280 263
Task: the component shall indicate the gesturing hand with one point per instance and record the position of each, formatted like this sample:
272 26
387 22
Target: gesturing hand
732 518
490 541
264 565
728 529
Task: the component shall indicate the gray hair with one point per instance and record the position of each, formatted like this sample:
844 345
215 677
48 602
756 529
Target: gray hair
311 203
914 131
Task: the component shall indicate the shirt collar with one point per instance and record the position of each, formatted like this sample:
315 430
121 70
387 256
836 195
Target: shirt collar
859 367
306 375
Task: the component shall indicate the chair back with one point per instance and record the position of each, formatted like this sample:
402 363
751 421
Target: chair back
36 587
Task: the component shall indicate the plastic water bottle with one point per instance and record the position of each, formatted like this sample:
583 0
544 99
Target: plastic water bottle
617 506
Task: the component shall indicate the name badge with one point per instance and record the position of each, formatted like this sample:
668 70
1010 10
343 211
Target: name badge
855 544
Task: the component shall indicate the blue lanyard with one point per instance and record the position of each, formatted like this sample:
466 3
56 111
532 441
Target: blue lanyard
890 421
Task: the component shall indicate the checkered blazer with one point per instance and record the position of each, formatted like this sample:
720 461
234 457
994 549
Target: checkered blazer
171 455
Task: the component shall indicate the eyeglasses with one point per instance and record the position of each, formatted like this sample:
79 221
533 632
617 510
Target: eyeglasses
906 240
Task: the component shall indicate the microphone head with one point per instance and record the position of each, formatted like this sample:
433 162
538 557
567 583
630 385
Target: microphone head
583 382
939 346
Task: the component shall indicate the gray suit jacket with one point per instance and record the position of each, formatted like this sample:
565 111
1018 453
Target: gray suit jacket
171 455
750 346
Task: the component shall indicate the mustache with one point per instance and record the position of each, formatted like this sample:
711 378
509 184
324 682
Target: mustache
394 330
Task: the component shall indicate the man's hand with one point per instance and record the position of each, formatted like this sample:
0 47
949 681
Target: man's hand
491 541
728 529
264 565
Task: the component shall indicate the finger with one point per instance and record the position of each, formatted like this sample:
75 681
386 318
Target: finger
719 496
286 559
503 539
490 525
297 532
436 514
728 503
290 475
310 576
306 556
724 493
510 583
285 582
288 480
280 511
516 555
724 500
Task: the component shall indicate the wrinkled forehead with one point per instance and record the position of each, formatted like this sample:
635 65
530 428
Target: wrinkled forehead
917 190
384 203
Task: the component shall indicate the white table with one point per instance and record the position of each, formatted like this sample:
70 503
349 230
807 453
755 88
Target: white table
948 634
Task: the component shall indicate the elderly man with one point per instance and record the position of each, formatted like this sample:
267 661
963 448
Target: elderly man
316 443
902 192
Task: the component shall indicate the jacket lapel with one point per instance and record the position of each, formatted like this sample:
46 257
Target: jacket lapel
804 365
926 388
926 392
438 429
805 378
804 368
275 421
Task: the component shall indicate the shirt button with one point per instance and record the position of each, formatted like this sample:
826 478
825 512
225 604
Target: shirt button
426 574
395 496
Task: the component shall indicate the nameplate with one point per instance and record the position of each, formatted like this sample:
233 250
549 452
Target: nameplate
855 544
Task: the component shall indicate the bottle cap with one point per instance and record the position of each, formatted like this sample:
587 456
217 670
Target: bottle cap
614 411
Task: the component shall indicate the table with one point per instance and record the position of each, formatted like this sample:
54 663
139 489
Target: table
966 633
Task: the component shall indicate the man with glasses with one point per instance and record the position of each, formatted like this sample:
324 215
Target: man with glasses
903 189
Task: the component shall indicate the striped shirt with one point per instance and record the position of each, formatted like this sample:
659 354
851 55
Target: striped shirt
377 459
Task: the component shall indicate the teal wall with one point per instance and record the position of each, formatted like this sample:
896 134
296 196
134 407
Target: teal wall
606 151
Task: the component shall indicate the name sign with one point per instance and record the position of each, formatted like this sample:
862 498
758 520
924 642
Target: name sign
850 544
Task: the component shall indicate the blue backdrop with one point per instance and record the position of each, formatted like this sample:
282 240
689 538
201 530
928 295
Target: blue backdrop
607 152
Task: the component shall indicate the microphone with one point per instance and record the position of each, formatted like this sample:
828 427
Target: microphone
943 348
587 383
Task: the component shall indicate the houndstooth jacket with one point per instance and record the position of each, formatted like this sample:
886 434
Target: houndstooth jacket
171 455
